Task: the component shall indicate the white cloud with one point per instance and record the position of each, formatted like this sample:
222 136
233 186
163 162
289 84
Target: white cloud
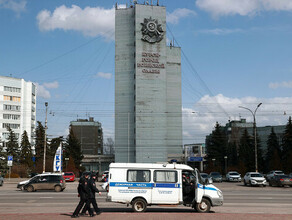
51 85
16 6
104 75
90 21
220 31
242 7
200 120
177 14
284 84
42 90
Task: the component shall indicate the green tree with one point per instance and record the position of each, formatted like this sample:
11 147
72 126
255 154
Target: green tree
246 153
3 157
25 152
39 146
260 157
232 155
287 148
12 147
72 149
273 156
216 147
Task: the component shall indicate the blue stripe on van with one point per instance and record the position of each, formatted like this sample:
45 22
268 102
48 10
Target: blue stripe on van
204 187
143 185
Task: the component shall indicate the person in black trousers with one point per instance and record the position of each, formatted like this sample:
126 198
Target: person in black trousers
83 193
92 200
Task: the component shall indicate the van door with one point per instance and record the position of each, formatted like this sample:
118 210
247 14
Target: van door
166 187
199 187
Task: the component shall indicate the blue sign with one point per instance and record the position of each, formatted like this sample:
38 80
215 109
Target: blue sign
195 159
10 158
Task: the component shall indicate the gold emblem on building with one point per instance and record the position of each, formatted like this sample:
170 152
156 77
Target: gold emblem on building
151 31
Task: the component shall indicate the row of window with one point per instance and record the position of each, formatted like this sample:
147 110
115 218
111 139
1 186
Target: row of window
12 98
11 117
5 135
11 107
145 176
12 126
12 89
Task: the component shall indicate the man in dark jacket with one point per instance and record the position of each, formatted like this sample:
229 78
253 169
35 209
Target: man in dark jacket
84 194
92 200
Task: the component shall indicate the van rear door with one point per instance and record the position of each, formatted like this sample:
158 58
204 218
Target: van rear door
166 187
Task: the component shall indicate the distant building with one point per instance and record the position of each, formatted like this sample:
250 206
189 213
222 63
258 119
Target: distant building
90 135
17 107
194 155
148 108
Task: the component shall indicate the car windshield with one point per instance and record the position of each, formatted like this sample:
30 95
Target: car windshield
233 173
279 172
204 175
215 174
256 175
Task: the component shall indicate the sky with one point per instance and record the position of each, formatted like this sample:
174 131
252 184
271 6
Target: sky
234 53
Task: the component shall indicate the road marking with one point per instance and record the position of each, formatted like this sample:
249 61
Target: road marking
46 197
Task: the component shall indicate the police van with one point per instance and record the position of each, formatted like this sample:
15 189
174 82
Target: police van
144 184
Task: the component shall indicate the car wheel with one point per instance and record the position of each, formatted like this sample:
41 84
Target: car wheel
139 205
250 183
204 206
244 182
58 188
30 188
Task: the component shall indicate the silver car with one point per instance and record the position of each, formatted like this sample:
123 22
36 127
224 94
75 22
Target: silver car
1 181
233 176
254 179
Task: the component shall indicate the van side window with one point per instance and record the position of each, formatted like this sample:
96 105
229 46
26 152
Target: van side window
165 176
138 176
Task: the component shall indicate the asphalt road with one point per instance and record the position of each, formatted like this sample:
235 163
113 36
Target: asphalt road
237 199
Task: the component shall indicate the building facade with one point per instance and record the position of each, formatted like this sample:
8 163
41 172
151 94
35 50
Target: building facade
148 118
17 108
90 135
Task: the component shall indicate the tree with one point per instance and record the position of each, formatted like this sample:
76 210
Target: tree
287 148
217 147
108 147
39 146
73 149
232 155
273 159
12 147
25 152
51 151
246 153
3 157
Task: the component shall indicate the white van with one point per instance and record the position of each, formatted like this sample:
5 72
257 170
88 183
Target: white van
145 184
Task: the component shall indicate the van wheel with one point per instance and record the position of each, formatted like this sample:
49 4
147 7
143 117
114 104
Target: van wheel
204 206
30 188
139 205
58 188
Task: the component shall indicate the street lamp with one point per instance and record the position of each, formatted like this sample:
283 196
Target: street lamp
225 157
255 133
45 141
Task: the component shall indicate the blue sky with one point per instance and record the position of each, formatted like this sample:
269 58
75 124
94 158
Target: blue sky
235 53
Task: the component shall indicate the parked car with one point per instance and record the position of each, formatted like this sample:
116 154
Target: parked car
216 177
46 182
1 181
205 176
104 175
69 176
273 173
280 180
233 176
290 175
254 179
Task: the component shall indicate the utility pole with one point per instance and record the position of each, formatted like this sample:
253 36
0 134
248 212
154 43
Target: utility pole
45 140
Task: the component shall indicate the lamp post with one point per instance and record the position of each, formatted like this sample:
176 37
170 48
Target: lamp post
255 133
45 140
225 158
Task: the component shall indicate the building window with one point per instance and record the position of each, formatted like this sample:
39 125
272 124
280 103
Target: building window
12 89
10 116
12 126
11 98
12 107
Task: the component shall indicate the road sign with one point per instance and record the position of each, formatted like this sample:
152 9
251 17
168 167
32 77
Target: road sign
9 161
195 159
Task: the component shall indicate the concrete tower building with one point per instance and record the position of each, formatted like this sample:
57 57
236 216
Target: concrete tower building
148 119
17 107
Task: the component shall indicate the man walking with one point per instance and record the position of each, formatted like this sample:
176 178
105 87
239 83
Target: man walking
83 193
92 200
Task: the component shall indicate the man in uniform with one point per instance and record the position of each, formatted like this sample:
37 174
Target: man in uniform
83 193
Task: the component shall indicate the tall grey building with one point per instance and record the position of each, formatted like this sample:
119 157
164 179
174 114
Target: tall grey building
148 118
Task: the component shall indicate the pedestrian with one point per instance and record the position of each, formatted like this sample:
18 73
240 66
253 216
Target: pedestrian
92 200
83 193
